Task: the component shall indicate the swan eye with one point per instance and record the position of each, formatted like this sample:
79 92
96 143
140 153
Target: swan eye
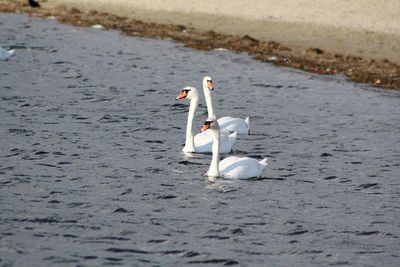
185 92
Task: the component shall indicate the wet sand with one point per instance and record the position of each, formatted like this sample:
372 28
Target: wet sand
378 72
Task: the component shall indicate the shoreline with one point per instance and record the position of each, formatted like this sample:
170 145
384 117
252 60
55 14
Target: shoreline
376 72
359 27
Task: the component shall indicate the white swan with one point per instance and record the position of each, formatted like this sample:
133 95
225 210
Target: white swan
201 142
231 167
241 126
6 54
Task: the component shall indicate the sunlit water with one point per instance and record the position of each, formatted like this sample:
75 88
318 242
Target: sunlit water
92 173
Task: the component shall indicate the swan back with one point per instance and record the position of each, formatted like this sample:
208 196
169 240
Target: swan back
241 167
241 126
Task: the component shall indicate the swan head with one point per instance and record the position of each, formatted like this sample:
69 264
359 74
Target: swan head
188 92
207 83
210 123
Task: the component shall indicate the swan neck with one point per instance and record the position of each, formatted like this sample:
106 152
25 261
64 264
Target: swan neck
208 97
189 126
214 166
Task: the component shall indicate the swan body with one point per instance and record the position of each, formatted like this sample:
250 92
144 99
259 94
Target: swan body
6 54
241 167
202 142
231 167
241 126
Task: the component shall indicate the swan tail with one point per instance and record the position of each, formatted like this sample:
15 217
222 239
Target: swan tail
11 52
263 164
247 121
232 139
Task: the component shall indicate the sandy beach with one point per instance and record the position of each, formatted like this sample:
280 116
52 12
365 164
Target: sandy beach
364 27
357 38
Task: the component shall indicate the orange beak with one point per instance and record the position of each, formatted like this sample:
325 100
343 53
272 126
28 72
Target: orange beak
205 127
182 95
210 85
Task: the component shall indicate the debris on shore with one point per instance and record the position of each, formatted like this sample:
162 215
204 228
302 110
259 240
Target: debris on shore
379 73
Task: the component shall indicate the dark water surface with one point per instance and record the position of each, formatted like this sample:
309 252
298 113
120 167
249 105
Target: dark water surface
92 173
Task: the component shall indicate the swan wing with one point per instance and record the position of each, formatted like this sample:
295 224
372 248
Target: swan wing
203 142
232 124
227 142
203 138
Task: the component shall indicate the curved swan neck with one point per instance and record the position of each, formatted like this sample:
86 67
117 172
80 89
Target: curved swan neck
207 96
214 166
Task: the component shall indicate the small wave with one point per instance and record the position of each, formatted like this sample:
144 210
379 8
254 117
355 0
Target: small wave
364 233
369 252
22 131
58 259
41 153
296 232
62 63
154 141
167 197
226 262
47 165
190 254
109 119
128 191
120 210
173 252
89 257
127 250
368 185
45 220
157 241
186 162
70 236
78 204
113 259
237 231
218 237
117 238
64 163
11 155
304 181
